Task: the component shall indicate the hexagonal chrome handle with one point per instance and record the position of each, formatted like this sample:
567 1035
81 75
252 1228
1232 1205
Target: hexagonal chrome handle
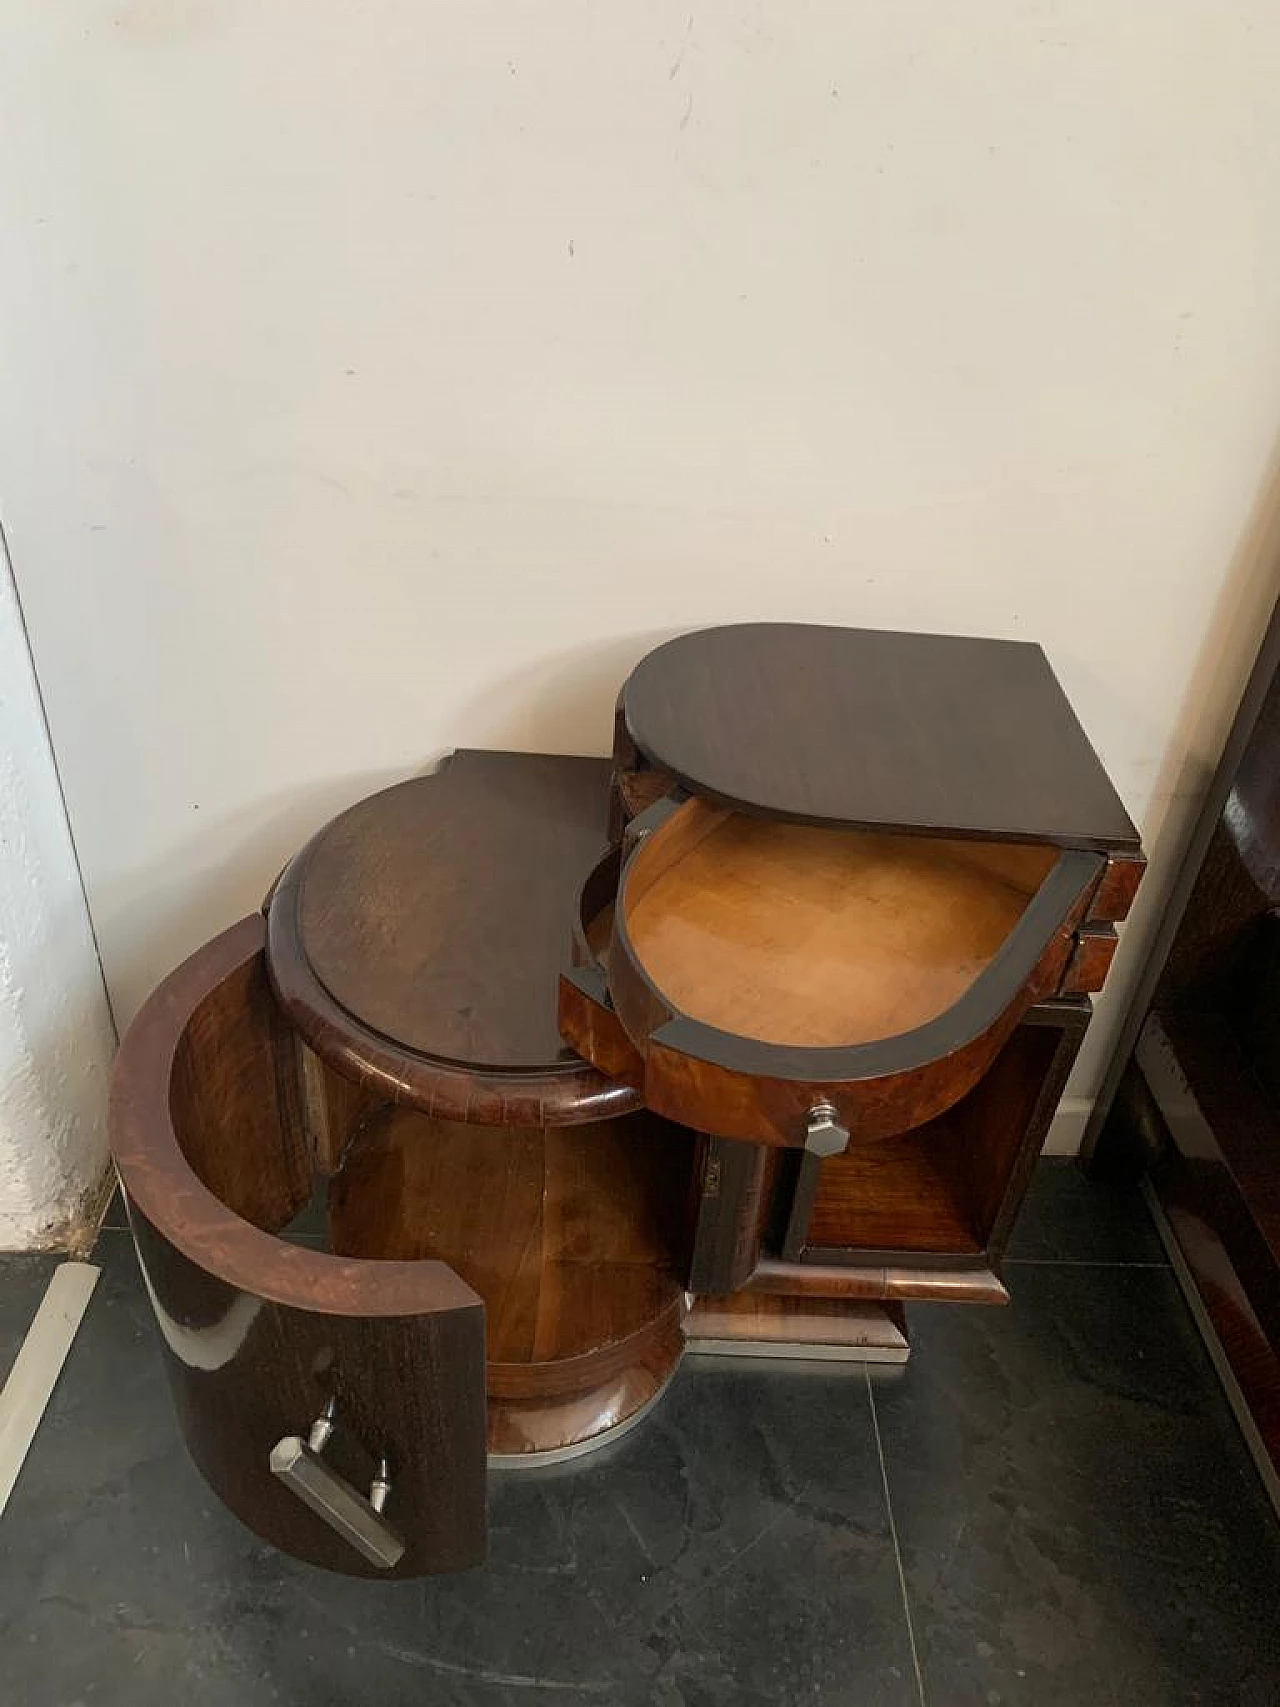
359 1521
824 1135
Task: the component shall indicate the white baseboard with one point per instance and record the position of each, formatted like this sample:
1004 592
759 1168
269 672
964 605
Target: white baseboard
1066 1131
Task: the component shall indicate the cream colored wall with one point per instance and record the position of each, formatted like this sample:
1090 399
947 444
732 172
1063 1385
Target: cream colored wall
384 378
56 1040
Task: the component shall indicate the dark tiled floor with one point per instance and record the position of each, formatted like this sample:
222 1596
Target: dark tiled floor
1065 1218
22 1284
1076 1520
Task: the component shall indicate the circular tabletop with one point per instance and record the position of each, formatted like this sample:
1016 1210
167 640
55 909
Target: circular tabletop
430 923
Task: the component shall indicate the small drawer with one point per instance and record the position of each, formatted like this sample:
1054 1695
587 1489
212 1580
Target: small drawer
793 984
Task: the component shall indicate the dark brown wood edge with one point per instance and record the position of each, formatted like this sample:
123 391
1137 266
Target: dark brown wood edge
569 1094
598 892
1070 1015
159 1180
713 1079
728 1214
804 1193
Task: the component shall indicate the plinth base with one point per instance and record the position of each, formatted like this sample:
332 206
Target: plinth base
760 1324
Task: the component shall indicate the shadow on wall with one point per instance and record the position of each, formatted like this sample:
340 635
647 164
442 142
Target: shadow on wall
225 867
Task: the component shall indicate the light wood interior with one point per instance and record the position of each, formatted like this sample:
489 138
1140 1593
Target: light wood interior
793 934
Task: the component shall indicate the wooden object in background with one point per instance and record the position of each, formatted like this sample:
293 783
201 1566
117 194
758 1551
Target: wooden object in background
1198 1080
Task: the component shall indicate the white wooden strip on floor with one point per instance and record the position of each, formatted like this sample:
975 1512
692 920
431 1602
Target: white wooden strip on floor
38 1365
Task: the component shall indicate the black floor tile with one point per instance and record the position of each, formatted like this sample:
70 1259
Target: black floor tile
23 1279
310 1226
1068 1218
1078 1516
733 1552
115 1217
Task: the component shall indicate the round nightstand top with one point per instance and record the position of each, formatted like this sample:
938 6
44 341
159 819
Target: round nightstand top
421 933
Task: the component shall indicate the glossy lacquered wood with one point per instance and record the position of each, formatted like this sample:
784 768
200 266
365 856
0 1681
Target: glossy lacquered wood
423 930
933 733
573 1237
1197 1072
207 1132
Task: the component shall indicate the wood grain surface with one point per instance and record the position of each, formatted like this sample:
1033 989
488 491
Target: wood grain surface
438 912
572 1236
441 913
884 730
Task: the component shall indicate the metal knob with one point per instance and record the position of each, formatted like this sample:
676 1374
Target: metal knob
824 1135
359 1521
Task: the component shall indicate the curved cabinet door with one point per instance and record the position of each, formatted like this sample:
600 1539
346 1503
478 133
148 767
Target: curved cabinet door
336 1405
800 985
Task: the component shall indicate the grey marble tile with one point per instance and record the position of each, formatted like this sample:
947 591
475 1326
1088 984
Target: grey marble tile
734 1552
1069 1218
23 1279
1078 1517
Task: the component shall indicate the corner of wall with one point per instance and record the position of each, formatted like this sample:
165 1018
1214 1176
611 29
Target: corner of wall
56 1035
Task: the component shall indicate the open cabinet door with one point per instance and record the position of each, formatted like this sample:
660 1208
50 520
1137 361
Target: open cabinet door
335 1404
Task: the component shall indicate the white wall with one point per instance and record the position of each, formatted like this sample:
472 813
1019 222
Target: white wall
56 1039
384 378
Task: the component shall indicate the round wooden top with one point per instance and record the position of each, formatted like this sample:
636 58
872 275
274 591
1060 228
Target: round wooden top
420 936
878 730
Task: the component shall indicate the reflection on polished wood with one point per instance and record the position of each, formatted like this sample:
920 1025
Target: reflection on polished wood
208 1136
570 1235
794 934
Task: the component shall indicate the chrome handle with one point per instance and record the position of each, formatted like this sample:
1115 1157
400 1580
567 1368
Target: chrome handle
358 1520
824 1135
